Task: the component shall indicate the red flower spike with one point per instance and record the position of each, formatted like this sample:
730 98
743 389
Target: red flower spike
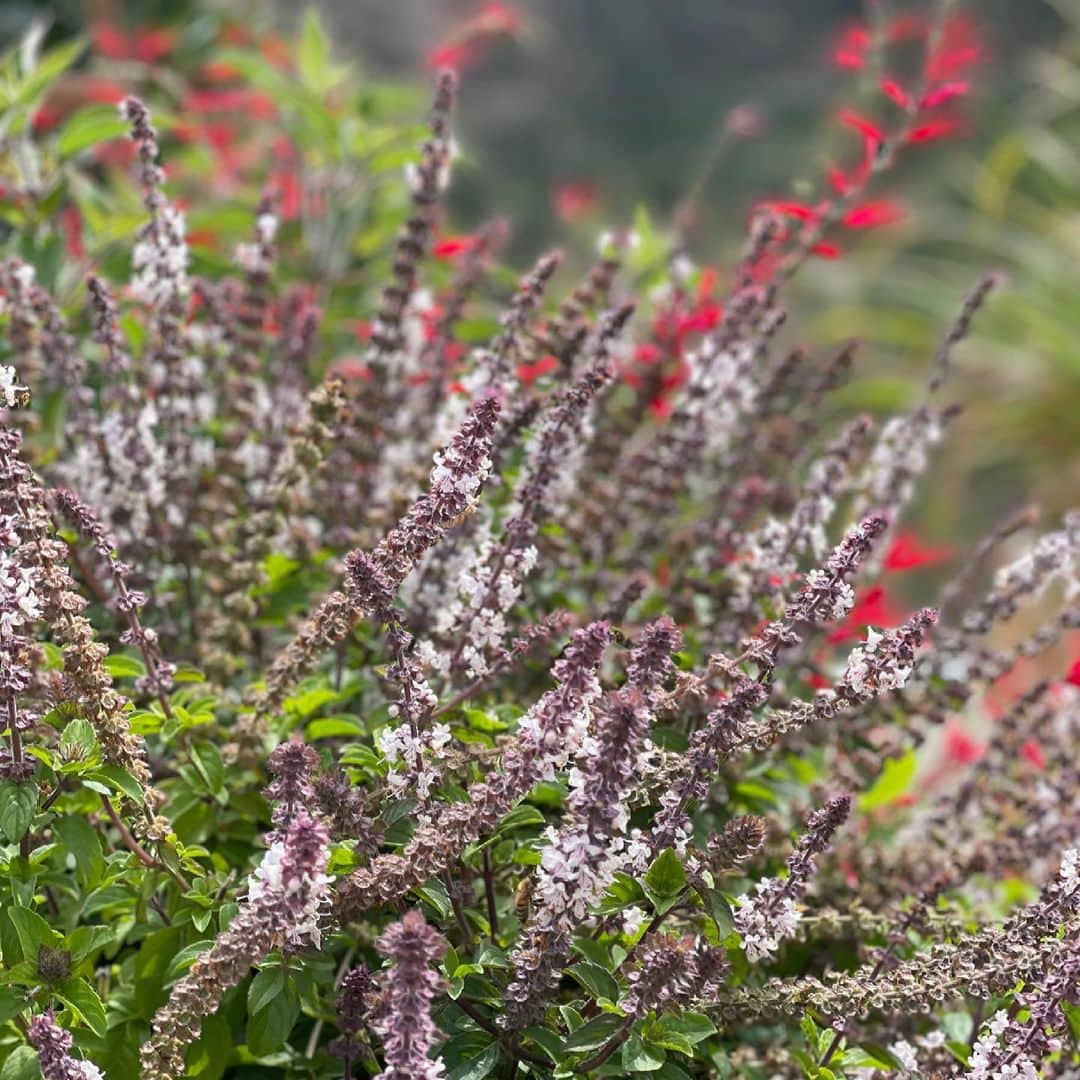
906 553
896 93
945 93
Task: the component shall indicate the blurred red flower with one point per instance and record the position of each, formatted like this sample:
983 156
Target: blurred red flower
907 553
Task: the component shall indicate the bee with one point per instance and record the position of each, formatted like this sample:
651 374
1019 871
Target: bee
523 898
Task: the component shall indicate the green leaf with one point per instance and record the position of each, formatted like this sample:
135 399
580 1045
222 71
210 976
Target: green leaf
79 996
593 1035
89 126
18 804
721 912
12 1002
667 1038
21 1064
333 727
596 980
264 988
478 1067
317 73
117 779
665 878
694 1027
33 931
268 1029
894 781
124 666
81 841
638 1056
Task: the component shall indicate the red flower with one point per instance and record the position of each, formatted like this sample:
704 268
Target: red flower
960 747
896 93
907 554
151 45
146 44
959 47
1032 752
529 373
1073 676
109 41
647 354
873 214
817 681
456 55
872 608
497 18
938 129
102 91
450 247
849 49
660 407
351 367
838 181
866 128
825 251
46 118
71 224
290 194
799 211
575 199
945 93
219 71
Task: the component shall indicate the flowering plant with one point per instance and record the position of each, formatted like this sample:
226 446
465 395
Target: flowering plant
522 695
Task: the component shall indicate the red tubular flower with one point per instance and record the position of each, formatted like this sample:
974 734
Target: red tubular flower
102 91
871 215
896 93
647 354
290 194
906 553
938 129
71 224
870 132
959 48
825 251
797 210
452 55
575 199
872 608
838 181
1073 676
219 71
1032 753
960 747
529 373
849 50
945 93
109 41
449 247
149 46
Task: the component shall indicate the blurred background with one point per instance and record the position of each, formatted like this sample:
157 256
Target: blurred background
576 117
